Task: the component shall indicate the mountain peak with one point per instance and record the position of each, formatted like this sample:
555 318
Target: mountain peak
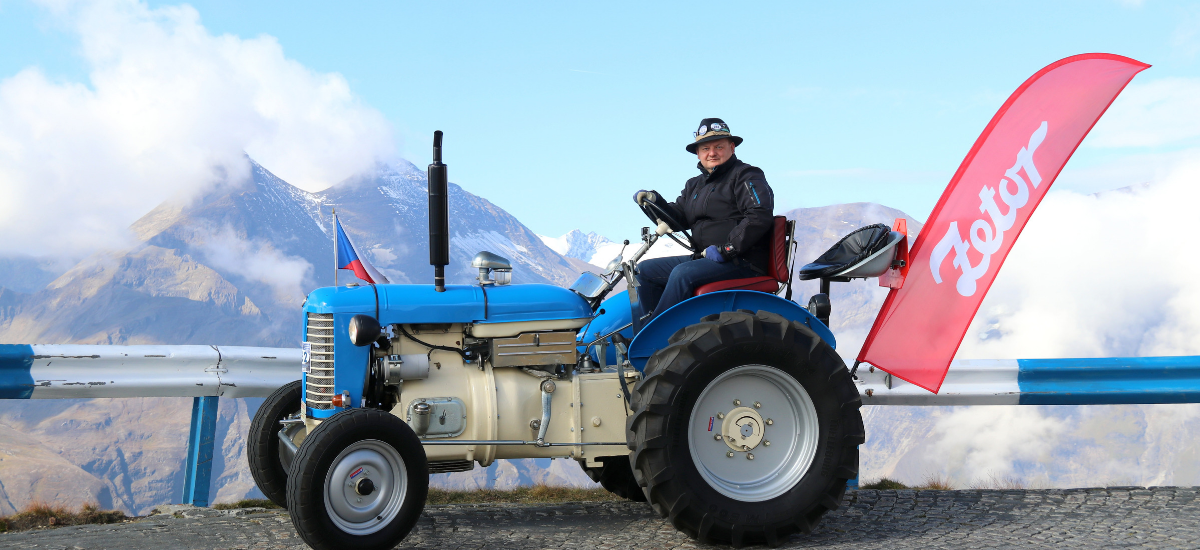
576 244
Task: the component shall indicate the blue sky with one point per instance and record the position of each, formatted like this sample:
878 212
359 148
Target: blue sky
557 112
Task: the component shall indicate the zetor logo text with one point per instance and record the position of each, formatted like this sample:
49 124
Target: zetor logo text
984 238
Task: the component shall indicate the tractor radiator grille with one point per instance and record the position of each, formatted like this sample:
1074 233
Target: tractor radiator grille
319 380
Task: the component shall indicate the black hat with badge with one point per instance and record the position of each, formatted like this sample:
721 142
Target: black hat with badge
711 129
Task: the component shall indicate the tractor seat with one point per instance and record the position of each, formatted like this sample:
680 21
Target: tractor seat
777 271
865 252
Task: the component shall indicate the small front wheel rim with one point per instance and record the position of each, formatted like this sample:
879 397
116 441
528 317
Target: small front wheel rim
365 487
753 433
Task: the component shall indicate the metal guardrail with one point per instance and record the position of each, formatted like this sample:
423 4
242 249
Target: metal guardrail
204 373
207 373
88 371
1088 381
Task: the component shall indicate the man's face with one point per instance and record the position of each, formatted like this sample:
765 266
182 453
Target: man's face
714 153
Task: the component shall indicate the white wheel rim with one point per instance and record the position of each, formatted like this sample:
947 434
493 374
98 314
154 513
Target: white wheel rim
793 433
365 514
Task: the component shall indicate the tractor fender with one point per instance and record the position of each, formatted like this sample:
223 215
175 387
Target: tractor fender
654 335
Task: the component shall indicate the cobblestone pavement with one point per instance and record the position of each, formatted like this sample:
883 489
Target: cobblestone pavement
1157 517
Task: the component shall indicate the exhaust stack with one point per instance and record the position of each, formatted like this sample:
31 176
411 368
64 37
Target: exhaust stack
439 215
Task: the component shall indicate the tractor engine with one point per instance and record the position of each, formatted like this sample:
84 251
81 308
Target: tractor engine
476 363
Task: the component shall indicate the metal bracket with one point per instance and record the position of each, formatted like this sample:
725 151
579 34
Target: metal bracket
547 391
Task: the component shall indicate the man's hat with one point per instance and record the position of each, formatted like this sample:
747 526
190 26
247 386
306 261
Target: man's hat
712 129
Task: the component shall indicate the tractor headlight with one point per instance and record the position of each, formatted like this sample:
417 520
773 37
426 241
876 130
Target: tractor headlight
364 330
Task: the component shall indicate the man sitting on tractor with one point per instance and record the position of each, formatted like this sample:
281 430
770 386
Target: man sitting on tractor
729 210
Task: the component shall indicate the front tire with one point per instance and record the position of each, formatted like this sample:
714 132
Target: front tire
359 480
262 443
745 429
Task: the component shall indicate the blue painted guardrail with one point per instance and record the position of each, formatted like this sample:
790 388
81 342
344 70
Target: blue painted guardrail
1086 381
204 373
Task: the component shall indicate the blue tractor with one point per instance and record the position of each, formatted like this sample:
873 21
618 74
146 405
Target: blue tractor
730 413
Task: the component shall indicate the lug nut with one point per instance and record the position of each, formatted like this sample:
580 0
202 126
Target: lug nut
749 456
757 405
766 443
729 454
720 415
770 422
737 402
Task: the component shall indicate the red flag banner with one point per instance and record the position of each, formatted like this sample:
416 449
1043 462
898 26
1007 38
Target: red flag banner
956 257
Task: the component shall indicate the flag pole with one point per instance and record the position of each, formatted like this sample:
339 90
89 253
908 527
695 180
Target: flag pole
335 251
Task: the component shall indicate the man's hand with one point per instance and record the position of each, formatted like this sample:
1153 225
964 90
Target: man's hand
713 253
643 195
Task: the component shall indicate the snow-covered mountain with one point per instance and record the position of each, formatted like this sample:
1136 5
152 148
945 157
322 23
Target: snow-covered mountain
599 250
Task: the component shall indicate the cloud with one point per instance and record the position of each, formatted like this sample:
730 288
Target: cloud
257 261
979 443
1111 274
168 109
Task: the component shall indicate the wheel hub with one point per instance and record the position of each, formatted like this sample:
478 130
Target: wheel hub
743 429
731 446
365 486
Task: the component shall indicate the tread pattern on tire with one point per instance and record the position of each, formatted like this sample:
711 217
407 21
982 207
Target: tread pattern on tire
262 444
655 407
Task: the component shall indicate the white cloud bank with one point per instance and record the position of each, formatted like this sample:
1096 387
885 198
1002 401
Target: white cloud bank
1107 275
169 109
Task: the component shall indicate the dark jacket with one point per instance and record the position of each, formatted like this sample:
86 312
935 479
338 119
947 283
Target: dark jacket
732 206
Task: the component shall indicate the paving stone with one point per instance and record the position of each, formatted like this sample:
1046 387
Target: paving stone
1125 517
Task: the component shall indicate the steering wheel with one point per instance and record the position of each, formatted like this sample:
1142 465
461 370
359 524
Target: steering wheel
656 212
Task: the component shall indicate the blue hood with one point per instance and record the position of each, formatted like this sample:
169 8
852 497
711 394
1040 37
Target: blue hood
458 304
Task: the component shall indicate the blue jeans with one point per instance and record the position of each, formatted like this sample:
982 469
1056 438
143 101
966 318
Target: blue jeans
668 281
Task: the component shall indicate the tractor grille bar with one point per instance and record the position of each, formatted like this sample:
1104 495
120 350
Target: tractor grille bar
319 380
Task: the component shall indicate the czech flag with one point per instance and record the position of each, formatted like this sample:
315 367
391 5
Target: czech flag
348 258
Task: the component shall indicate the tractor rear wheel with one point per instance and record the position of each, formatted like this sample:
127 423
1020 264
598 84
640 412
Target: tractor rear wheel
616 476
359 480
745 429
267 467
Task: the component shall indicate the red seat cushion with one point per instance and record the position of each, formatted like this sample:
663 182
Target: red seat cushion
778 267
762 284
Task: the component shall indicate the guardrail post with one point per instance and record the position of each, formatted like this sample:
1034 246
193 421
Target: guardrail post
200 451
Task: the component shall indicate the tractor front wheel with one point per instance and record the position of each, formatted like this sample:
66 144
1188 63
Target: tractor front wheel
745 429
267 465
359 480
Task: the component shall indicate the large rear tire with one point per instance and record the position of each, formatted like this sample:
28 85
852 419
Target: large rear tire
262 443
359 480
745 429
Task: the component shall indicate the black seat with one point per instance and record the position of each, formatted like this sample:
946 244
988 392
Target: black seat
851 250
